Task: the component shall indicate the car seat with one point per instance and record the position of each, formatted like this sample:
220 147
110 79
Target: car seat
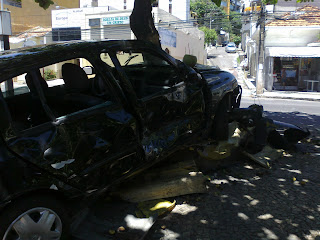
78 87
37 114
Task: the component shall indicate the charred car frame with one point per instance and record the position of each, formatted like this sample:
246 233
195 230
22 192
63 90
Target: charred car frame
113 109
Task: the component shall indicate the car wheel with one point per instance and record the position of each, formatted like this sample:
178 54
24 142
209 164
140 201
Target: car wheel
34 217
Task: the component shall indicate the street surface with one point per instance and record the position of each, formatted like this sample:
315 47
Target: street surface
244 200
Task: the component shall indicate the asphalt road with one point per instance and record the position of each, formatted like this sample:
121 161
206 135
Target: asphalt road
298 112
218 57
244 201
283 105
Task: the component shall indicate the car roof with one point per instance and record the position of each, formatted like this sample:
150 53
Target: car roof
18 61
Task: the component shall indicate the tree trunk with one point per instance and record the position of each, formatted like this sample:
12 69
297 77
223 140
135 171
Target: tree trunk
141 22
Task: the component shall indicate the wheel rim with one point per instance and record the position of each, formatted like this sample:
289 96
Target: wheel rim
35 224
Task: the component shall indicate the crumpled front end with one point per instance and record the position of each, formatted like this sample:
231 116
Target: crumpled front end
249 131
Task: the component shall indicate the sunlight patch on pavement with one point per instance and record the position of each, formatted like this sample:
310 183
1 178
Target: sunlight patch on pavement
314 234
184 209
265 216
248 197
254 202
293 237
294 171
243 216
143 224
270 234
169 235
203 221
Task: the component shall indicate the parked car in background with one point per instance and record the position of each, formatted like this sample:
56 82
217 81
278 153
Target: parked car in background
110 110
231 47
224 43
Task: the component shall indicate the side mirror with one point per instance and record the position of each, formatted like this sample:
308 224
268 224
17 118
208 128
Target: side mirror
190 60
88 70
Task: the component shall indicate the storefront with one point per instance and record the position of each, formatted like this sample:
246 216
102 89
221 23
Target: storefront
292 69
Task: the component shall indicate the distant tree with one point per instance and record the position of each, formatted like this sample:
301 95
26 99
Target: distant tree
235 38
206 10
235 21
210 34
44 3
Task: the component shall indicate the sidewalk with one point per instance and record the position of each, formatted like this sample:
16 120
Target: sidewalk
250 84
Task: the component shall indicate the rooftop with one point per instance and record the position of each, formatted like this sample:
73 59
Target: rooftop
305 16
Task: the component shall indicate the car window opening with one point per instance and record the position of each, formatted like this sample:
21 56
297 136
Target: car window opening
66 87
148 73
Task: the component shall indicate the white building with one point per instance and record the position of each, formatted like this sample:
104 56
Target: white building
178 8
291 54
103 22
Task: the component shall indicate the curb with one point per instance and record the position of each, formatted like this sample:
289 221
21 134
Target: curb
254 95
289 97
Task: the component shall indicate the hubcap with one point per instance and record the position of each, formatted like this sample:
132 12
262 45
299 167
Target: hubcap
35 224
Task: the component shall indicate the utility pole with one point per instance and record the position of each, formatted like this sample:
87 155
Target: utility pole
228 8
5 28
260 62
5 31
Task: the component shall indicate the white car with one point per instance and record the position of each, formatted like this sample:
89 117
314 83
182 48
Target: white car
231 47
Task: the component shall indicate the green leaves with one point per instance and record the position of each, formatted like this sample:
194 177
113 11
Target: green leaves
44 3
209 34
217 2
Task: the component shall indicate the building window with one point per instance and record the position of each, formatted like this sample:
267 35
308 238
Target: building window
124 4
94 22
170 7
94 3
66 34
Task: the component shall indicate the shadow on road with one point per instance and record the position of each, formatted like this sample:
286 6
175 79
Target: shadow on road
211 56
245 201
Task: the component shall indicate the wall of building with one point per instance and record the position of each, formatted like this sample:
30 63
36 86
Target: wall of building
109 27
177 36
31 15
291 36
189 39
180 8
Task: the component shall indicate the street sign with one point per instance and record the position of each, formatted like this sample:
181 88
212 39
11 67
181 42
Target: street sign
5 23
115 20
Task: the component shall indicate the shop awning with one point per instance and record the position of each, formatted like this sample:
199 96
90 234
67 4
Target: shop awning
303 52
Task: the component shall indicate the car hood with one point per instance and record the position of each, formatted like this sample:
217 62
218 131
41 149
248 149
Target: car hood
203 68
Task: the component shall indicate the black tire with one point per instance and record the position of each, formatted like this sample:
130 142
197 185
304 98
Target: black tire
220 122
35 206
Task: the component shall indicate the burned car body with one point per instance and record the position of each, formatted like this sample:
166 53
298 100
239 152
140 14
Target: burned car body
80 133
84 129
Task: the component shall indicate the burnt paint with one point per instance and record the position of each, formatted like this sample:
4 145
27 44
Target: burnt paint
79 141
103 144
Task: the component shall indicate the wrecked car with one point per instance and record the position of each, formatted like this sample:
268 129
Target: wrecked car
79 117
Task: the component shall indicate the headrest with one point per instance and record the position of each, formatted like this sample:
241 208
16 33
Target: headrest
30 82
75 79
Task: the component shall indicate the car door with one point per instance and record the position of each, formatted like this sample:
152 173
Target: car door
173 103
89 147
